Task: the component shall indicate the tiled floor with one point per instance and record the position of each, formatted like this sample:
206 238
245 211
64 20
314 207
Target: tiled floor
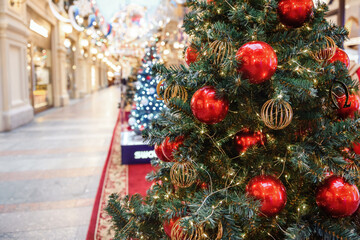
50 169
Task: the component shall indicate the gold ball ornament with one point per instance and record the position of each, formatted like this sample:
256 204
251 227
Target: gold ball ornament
158 89
183 174
221 49
175 91
219 234
277 114
220 231
179 233
326 54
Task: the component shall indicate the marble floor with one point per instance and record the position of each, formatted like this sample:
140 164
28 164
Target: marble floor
50 169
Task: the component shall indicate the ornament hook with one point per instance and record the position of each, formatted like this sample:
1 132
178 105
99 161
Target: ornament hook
333 96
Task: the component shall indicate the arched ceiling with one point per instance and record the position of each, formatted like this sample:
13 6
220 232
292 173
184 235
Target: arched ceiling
110 7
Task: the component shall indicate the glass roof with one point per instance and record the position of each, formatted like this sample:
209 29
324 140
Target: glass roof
109 7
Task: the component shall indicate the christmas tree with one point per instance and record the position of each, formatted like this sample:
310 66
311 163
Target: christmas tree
147 106
266 145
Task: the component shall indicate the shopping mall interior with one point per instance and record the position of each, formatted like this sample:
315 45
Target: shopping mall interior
179 119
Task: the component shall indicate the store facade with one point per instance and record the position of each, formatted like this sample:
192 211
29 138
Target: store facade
44 61
39 60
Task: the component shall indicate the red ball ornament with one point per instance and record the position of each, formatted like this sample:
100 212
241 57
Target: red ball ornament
270 191
340 55
168 225
338 197
246 138
354 102
168 147
191 55
207 107
356 147
294 13
159 153
148 77
257 61
210 1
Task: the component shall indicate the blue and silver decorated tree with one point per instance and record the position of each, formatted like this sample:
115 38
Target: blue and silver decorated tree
147 107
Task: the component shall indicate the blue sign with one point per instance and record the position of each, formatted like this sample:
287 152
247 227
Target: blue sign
134 150
137 154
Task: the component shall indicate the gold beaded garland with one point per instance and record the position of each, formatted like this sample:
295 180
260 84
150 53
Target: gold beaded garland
277 114
326 54
183 174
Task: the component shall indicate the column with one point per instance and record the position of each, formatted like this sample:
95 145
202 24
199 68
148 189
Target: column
79 71
15 106
61 96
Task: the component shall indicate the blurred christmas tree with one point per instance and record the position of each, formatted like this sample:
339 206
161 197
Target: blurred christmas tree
130 90
267 146
147 107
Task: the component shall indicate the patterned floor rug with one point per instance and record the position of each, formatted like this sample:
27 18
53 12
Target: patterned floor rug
116 178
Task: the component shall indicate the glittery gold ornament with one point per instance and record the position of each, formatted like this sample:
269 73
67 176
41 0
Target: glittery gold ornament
220 231
221 49
179 233
183 174
277 114
326 54
175 91
158 88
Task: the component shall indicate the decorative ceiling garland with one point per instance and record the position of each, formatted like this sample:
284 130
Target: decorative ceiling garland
72 19
60 17
84 9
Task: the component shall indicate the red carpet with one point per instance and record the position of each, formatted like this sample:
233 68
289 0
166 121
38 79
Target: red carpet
115 178
137 182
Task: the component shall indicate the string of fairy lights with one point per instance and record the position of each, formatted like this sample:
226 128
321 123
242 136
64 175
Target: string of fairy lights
292 64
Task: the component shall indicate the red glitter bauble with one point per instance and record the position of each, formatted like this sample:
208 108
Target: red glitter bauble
148 77
338 197
294 13
257 61
270 191
207 107
159 152
191 55
168 147
356 148
168 225
354 102
340 55
246 138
